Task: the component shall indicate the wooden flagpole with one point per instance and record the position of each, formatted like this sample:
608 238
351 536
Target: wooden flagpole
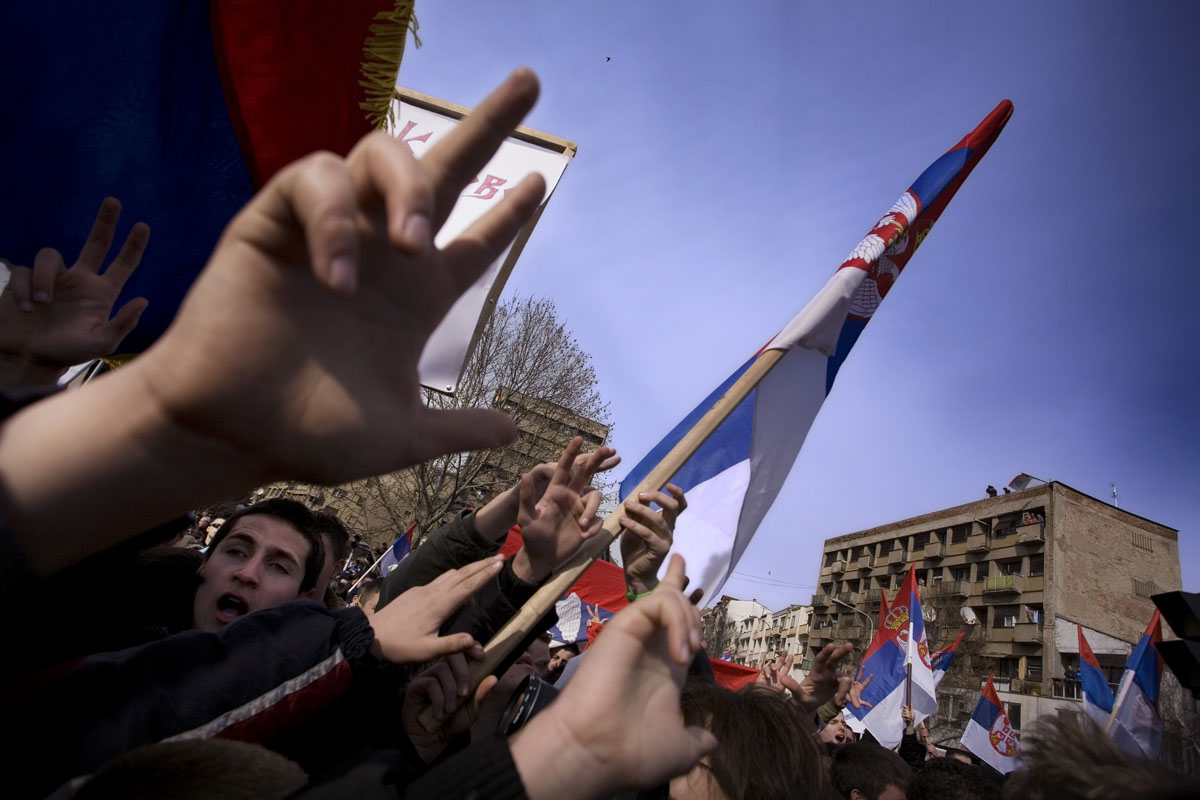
1122 691
508 637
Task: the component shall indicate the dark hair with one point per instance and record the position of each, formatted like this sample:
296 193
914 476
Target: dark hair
294 514
371 587
869 768
572 646
765 753
329 525
951 779
1068 757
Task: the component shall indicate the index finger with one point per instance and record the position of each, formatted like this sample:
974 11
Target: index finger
562 470
464 582
456 159
100 238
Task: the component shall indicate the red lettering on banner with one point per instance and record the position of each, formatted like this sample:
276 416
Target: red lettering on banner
408 126
488 189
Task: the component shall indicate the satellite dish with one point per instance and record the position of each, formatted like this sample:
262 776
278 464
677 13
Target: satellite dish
968 616
929 613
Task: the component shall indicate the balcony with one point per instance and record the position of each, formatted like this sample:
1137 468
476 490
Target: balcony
849 633
838 567
866 560
978 543
820 600
897 559
951 588
1014 685
1032 534
874 595
1000 635
846 597
1027 633
935 550
1004 584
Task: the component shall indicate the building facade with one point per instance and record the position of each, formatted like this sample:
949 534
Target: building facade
750 634
1017 574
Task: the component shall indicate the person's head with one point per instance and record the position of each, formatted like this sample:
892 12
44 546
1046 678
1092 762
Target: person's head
263 556
951 779
335 540
368 596
764 752
1068 757
558 660
960 754
866 771
835 732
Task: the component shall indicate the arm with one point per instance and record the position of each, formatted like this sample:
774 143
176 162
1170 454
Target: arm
247 385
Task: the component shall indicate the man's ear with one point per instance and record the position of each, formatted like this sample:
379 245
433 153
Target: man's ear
855 794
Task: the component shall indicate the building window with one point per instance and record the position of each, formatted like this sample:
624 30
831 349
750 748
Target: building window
1037 566
1007 667
829 558
959 534
962 573
1144 589
885 547
920 540
1033 669
1014 715
1005 617
1142 541
1010 567
982 570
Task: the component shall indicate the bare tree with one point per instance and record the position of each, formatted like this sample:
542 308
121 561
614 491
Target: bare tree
716 629
526 363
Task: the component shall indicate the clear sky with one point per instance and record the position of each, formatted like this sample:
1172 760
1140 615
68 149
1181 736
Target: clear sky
731 155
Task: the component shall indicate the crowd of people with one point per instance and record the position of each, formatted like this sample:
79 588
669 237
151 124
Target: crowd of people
229 666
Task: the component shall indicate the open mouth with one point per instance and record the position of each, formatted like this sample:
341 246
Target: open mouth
839 738
230 607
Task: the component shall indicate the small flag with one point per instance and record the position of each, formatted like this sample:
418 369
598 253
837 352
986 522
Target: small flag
397 552
1021 482
733 478
1136 725
989 734
942 658
1097 694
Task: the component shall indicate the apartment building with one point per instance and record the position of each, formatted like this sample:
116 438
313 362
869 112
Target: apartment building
752 634
1018 574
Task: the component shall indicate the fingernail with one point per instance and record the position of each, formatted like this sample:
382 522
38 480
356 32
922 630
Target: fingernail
42 296
342 274
416 230
643 495
497 564
626 521
463 689
26 306
685 655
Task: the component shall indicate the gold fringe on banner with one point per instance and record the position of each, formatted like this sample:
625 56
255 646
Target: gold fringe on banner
382 53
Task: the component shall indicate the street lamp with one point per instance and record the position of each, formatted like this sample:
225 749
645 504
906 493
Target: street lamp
870 623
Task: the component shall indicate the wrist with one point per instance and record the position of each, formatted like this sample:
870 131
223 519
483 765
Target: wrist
18 371
529 569
494 520
553 763
638 585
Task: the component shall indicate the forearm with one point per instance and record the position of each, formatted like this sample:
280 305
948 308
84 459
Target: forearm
19 372
83 470
499 515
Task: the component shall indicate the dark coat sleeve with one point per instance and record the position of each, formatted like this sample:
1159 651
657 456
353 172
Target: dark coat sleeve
451 546
912 751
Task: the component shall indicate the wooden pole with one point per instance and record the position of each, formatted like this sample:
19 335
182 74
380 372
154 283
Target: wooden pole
508 637
1122 690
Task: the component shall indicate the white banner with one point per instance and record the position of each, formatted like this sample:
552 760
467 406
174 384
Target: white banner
445 355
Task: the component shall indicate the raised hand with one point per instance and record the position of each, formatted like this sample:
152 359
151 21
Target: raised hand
821 683
648 535
617 723
850 689
406 629
317 379
777 674
443 688
53 317
555 521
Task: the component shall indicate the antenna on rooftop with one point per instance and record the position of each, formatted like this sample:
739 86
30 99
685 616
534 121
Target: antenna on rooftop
1114 495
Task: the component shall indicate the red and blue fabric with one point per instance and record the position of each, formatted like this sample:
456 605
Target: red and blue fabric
397 552
181 110
1137 727
989 734
942 658
1097 694
734 477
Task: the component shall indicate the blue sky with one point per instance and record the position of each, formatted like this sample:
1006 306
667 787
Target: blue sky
731 155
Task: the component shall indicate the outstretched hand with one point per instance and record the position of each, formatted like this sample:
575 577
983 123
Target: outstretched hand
617 723
406 629
777 674
53 316
555 521
648 534
821 683
316 379
850 689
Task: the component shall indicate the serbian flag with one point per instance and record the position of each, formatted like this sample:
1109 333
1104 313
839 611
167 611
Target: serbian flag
736 474
1137 728
181 110
1097 694
397 552
899 642
600 593
989 734
942 658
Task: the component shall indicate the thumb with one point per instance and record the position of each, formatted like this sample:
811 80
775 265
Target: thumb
695 743
125 321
